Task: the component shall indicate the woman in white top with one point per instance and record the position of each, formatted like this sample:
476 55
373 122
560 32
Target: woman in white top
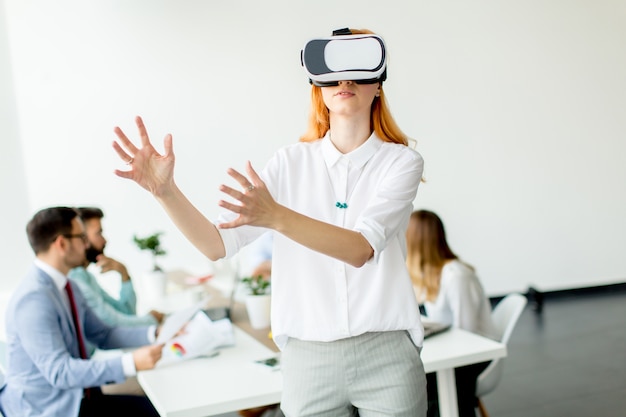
451 293
338 203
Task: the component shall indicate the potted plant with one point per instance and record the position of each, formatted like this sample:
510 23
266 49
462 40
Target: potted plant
258 300
151 243
256 285
154 282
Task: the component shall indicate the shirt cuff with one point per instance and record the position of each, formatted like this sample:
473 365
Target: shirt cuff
152 333
128 365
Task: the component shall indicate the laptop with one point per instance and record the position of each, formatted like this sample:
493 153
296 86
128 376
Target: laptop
218 313
432 328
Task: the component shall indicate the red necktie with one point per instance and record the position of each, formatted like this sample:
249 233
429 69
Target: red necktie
79 335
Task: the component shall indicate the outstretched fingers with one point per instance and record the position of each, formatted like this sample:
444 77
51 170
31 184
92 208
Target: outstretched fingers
143 133
254 204
240 178
124 157
147 167
126 143
254 177
235 208
167 146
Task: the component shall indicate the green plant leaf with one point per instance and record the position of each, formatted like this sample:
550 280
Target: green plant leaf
256 285
151 243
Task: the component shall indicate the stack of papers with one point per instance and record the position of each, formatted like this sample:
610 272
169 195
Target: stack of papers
200 337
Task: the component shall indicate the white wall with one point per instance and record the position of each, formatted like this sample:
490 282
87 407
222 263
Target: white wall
15 254
517 107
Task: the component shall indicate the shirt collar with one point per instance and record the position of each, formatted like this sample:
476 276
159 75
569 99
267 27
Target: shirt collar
358 157
57 277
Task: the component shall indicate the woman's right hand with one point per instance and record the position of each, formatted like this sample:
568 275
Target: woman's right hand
148 168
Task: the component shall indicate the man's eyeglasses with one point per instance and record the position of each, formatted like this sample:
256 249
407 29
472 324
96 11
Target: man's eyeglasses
82 236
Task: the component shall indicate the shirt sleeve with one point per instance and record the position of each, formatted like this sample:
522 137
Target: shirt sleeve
128 299
125 304
152 333
108 309
463 299
128 365
389 210
111 316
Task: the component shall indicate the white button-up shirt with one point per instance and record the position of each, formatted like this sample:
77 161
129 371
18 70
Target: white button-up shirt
462 301
319 298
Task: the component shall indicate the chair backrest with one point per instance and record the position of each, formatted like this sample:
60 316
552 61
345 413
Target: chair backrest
3 362
504 316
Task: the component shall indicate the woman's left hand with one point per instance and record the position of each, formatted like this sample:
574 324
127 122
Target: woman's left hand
256 206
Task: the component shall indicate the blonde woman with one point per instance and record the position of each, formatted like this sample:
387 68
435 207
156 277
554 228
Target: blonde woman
451 293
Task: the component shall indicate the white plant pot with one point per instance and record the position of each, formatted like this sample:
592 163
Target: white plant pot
258 307
154 284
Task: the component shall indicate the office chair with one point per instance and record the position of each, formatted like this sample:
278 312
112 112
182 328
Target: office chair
3 356
3 365
505 316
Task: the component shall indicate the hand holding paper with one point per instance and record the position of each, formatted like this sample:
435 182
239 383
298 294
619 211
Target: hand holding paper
201 337
175 321
146 357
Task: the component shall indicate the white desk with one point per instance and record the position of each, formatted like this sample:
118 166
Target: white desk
445 351
227 382
231 381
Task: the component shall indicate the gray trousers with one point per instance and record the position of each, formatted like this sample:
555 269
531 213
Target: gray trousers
371 375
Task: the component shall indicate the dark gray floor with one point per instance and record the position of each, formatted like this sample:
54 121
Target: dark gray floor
568 361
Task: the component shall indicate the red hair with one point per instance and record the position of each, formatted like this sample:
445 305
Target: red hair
381 120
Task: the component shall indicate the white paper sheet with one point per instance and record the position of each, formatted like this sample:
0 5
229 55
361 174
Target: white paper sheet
202 337
175 321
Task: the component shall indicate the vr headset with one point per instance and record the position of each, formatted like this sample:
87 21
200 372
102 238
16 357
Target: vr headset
344 56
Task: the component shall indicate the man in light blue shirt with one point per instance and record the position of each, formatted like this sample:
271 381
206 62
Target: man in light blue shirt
115 312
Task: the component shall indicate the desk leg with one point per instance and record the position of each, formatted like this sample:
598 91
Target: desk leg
446 386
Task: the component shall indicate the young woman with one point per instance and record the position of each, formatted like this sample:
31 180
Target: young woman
451 293
338 203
